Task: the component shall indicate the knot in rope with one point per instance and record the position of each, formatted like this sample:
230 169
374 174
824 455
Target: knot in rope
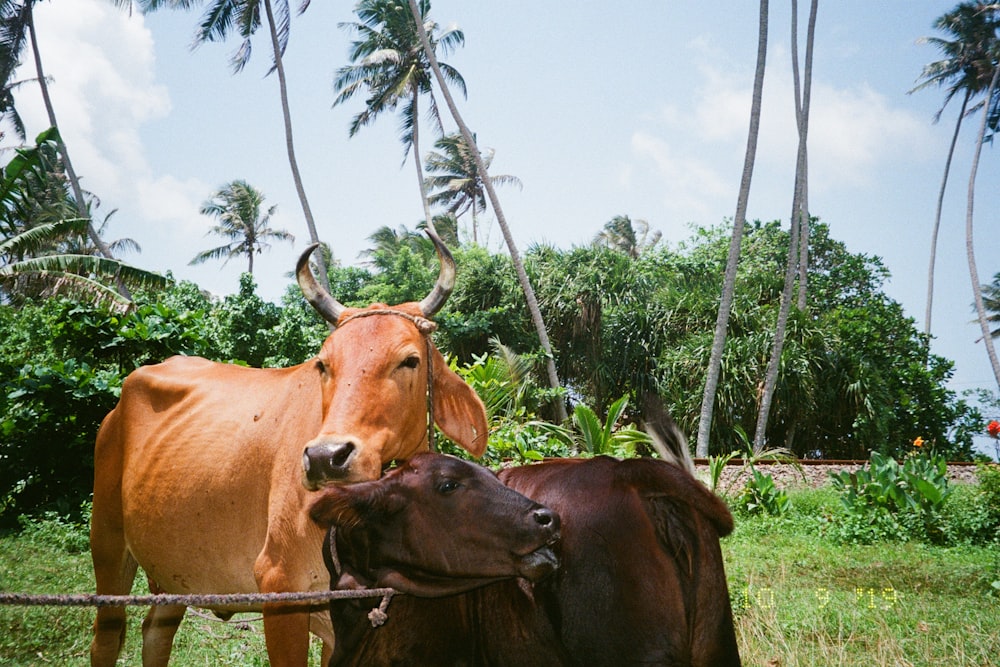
378 616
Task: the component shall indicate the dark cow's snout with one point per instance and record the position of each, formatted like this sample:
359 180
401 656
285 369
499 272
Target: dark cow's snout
546 518
547 524
542 560
327 462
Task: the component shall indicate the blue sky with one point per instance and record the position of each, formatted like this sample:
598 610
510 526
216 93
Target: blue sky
640 109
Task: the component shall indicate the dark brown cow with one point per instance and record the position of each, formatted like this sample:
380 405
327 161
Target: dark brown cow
455 518
640 582
199 469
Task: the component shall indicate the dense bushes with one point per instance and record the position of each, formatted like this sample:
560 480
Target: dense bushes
857 375
890 500
62 365
887 501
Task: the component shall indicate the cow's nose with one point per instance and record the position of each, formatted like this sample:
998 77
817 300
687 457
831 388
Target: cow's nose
327 462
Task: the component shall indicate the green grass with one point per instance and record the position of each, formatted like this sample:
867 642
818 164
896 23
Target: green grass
40 561
798 599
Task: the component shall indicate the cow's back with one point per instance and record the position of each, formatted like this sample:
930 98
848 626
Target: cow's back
641 578
190 464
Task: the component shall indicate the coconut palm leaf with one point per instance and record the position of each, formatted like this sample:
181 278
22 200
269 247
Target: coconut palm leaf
77 276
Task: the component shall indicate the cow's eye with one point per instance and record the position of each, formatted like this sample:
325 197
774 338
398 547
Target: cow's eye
410 362
447 486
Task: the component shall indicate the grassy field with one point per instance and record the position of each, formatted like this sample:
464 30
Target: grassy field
798 599
801 600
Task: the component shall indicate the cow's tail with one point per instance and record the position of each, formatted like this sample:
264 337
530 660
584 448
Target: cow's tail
667 438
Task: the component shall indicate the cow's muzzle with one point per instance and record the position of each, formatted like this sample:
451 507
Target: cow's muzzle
327 462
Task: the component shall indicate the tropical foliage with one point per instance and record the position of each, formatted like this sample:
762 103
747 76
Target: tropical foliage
455 181
619 316
238 208
44 248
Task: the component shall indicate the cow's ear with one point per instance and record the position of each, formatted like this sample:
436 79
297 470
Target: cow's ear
458 410
335 506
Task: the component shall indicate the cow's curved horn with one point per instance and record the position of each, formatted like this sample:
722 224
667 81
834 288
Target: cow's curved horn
319 298
434 301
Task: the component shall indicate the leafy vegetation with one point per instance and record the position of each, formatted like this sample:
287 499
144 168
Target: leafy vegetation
890 500
858 377
762 496
802 599
798 597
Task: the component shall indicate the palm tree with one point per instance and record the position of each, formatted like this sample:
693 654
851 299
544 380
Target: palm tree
17 24
25 269
41 257
457 180
388 242
969 245
991 302
390 66
966 69
630 237
237 207
515 256
803 97
8 110
714 370
798 241
220 20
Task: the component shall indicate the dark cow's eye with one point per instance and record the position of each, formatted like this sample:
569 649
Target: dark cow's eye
411 361
447 486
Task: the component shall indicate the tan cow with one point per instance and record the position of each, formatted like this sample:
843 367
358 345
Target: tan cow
199 468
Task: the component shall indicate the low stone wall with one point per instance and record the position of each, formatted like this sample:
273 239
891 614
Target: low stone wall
787 476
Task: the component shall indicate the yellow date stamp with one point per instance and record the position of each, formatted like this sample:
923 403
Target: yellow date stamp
865 597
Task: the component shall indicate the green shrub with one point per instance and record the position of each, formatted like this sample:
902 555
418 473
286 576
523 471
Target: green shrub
889 501
47 427
968 517
58 532
989 486
762 496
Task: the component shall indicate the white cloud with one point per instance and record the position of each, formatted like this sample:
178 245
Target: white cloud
103 85
854 134
689 186
168 200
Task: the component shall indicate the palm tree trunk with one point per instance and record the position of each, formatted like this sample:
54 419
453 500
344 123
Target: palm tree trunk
290 146
773 366
522 275
729 282
416 159
81 205
804 219
797 237
977 291
937 214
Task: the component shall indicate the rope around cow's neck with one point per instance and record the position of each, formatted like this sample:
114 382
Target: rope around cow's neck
426 327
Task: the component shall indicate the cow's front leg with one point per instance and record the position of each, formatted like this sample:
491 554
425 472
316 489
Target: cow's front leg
286 626
286 631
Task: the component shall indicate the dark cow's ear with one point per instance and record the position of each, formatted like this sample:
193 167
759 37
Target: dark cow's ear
335 507
355 504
